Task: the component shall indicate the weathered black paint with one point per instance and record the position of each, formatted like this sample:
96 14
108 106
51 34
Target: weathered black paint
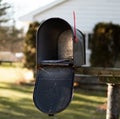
57 55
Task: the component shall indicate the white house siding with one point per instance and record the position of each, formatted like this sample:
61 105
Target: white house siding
88 13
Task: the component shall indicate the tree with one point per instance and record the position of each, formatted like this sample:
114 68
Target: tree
11 39
3 12
105 45
10 36
30 46
3 19
15 39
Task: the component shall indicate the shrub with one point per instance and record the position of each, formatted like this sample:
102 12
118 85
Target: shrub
105 45
30 46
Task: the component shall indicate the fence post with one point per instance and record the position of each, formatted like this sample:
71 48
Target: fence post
113 105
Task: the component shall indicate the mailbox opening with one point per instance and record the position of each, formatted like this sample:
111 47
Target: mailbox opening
55 42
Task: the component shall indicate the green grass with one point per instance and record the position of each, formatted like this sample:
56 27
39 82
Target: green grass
16 103
14 64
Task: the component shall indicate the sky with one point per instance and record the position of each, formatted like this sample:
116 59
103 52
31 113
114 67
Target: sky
22 7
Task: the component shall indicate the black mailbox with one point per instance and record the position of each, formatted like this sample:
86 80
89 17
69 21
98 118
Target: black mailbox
57 55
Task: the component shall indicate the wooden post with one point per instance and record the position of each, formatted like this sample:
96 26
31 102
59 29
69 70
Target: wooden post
110 76
113 105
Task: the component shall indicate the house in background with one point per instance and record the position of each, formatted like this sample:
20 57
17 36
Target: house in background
88 14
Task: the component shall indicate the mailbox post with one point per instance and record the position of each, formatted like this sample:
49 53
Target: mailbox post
57 55
110 76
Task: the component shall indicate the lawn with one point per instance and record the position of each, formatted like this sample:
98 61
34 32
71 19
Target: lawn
16 103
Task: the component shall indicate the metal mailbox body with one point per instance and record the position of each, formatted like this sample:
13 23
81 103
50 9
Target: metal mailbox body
48 35
57 54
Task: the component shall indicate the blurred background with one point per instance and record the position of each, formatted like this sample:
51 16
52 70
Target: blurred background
19 20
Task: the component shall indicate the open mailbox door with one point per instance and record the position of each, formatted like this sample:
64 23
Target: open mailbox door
57 55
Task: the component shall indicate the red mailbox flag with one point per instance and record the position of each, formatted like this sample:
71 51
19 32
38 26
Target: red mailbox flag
75 36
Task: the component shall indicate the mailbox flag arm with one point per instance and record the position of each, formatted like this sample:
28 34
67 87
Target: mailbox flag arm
75 36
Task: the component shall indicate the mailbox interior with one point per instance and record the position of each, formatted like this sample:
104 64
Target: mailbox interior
54 41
